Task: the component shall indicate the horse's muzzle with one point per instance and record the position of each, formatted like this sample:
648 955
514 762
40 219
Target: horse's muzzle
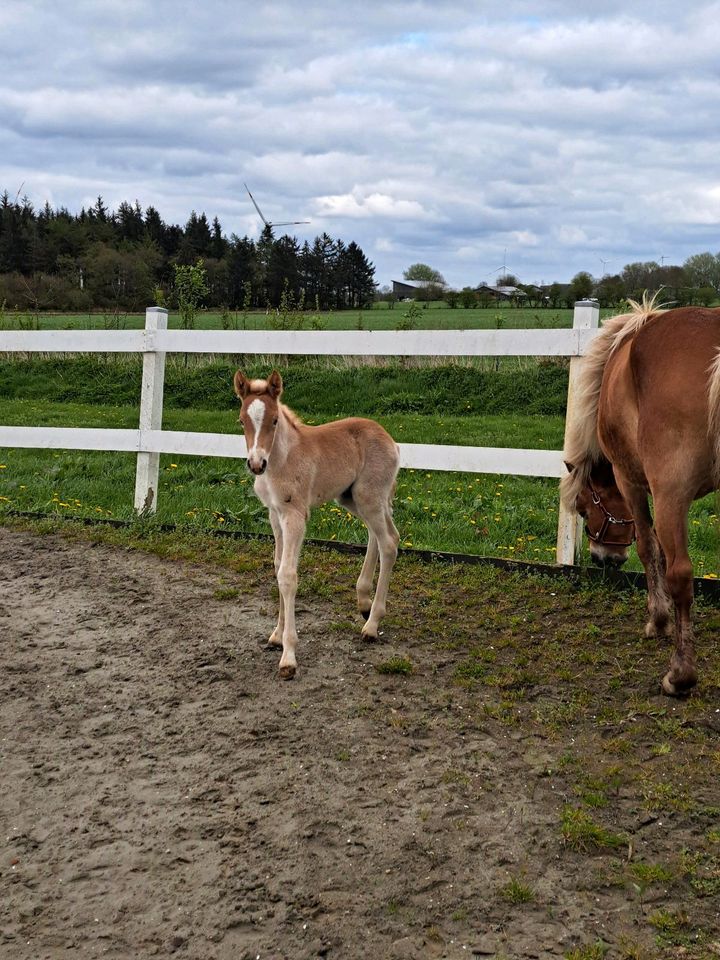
608 560
257 469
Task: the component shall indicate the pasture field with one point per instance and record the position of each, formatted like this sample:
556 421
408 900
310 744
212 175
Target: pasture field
498 776
436 316
510 517
489 515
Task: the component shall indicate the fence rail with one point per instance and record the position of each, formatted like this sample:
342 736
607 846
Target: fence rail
149 440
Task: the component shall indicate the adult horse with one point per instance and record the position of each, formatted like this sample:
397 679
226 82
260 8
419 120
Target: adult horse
648 421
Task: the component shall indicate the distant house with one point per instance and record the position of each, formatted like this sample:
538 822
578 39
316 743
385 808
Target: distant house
413 288
500 293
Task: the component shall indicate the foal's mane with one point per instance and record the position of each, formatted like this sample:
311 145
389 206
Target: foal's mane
290 415
582 449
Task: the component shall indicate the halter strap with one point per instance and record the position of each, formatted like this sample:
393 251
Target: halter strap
608 521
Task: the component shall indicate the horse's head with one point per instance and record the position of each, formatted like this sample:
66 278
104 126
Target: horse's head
608 524
259 415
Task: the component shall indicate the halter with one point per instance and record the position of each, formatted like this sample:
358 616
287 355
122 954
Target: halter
609 520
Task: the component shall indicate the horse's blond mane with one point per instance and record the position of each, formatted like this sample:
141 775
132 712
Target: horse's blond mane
582 449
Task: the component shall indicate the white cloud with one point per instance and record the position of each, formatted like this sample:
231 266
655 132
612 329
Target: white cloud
373 205
425 132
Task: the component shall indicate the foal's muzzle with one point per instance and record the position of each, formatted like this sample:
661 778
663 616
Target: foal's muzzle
257 468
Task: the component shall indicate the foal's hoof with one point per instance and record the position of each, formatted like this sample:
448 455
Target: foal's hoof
365 613
657 630
287 672
680 686
370 635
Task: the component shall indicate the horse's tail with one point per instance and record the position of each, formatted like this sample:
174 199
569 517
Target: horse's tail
714 415
582 448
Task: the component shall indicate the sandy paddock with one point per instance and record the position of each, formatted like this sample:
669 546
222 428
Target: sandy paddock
163 792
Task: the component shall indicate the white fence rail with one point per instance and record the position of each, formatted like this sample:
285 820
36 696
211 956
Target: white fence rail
149 440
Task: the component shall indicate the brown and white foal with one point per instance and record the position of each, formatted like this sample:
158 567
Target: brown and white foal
298 467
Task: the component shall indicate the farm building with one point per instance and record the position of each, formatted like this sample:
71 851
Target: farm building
414 288
500 293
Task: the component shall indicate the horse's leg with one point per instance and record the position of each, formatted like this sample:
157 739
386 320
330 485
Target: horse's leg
367 574
293 531
652 558
276 636
671 515
379 522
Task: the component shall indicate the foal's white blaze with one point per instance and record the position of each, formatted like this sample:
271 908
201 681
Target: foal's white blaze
256 412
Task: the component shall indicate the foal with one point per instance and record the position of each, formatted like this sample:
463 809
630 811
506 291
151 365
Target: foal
298 467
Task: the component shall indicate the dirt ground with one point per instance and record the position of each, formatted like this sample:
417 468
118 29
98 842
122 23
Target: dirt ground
163 792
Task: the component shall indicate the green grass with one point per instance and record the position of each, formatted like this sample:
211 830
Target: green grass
580 832
510 517
436 316
517 891
395 665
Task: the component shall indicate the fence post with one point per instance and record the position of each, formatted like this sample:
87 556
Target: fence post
151 408
569 538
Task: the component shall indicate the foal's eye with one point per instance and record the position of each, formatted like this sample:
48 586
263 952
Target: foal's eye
275 419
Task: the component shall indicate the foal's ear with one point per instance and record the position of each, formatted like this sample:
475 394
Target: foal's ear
241 384
275 384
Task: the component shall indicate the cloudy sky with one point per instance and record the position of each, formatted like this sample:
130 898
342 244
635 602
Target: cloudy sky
549 136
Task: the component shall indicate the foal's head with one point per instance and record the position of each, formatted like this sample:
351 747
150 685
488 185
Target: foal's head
259 416
608 523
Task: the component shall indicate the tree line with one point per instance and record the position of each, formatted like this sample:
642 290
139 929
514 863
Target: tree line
51 259
696 282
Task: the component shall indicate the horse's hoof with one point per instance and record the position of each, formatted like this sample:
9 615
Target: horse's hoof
365 613
287 672
369 635
656 631
678 688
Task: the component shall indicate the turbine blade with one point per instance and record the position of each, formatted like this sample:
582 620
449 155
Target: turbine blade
256 206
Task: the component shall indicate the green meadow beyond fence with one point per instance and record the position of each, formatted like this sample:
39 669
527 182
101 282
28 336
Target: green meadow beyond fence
148 441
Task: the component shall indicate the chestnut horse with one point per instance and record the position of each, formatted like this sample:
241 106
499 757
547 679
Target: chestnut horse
297 467
649 422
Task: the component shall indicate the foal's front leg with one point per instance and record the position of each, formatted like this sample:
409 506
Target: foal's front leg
276 636
292 524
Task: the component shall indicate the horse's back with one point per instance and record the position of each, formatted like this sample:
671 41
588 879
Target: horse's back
656 397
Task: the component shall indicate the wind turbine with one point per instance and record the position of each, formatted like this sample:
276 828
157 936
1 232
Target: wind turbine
604 263
268 223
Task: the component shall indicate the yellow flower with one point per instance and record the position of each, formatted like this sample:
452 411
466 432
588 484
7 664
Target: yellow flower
173 466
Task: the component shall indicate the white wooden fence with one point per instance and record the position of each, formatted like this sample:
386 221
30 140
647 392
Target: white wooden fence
150 440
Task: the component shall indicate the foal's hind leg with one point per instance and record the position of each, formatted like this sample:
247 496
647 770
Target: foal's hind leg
379 522
367 574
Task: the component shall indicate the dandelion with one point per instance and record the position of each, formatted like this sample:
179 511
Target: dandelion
3 466
173 466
